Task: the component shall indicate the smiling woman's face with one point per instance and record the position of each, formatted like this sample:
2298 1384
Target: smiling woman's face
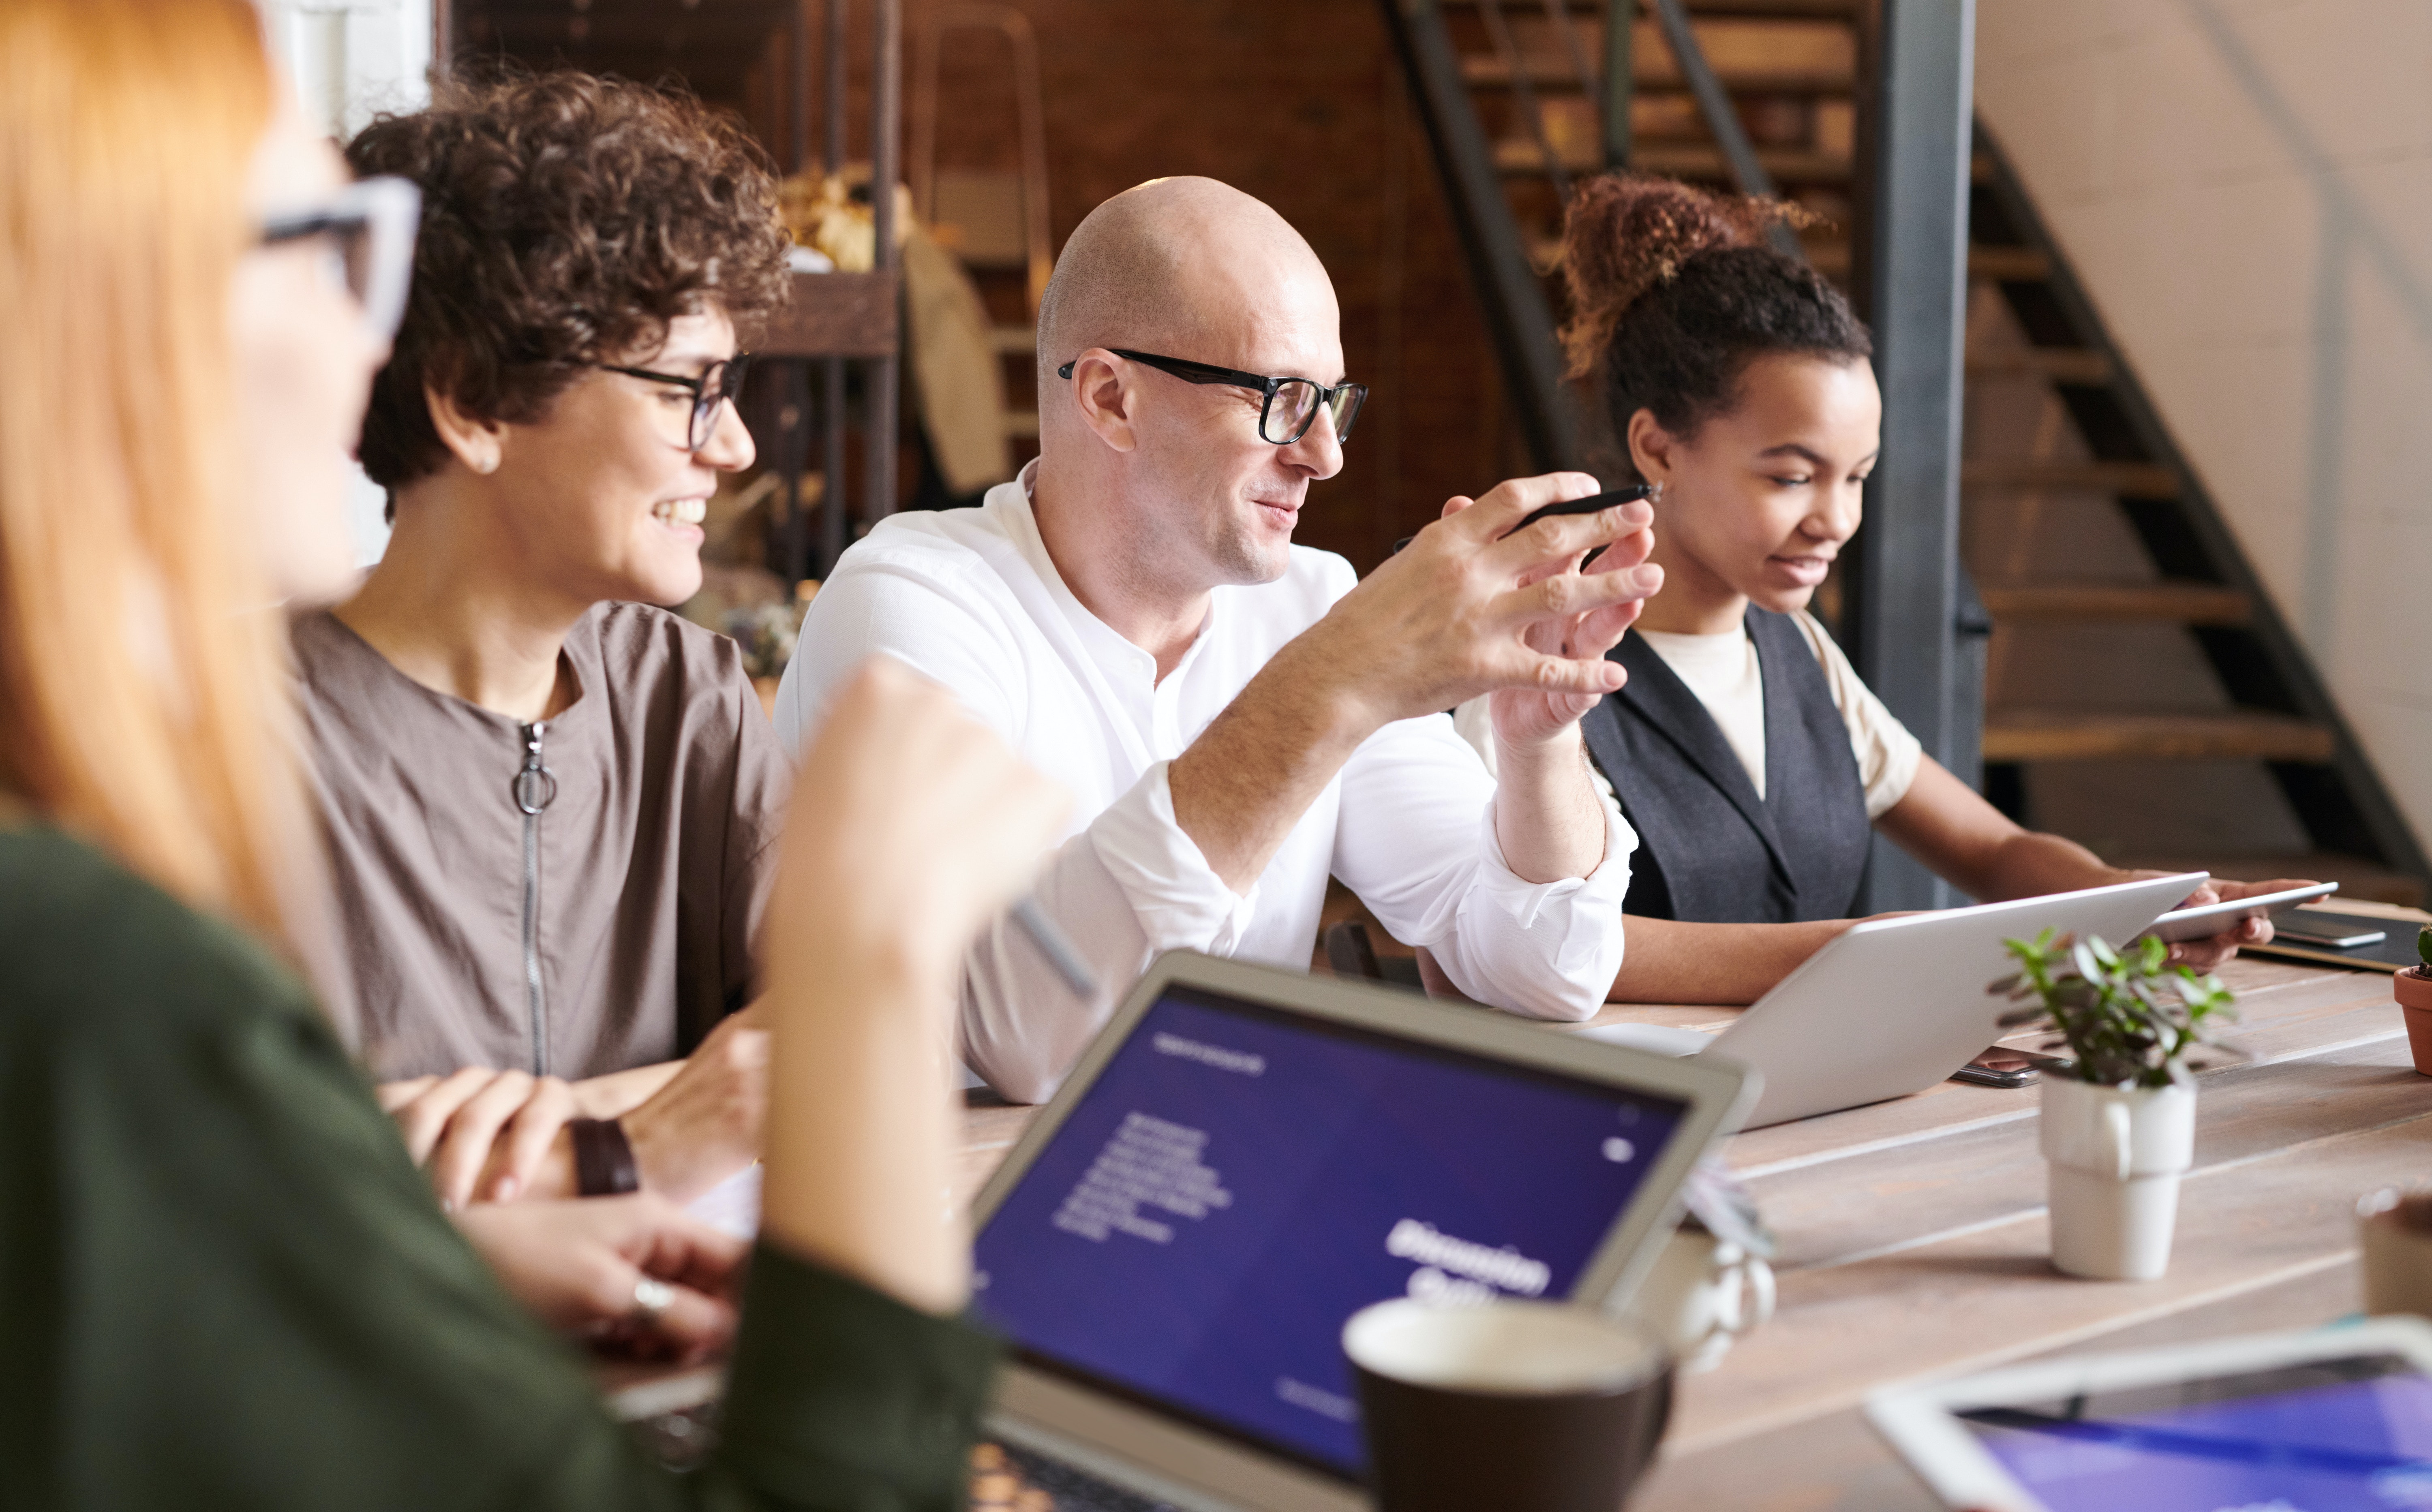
606 502
1761 499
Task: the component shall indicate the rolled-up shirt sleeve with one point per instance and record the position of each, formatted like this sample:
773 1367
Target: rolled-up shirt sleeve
1416 841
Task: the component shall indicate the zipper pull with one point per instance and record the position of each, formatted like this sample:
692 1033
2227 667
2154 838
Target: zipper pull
535 785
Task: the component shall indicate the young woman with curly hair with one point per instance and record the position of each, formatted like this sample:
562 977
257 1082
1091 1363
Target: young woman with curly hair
1751 758
226 1285
552 805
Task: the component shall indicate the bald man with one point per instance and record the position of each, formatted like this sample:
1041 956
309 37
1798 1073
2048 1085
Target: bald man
1239 717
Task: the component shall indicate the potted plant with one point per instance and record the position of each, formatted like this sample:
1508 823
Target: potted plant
2413 987
2119 1124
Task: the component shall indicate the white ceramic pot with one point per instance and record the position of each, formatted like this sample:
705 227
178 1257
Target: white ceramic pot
1700 1294
2115 1155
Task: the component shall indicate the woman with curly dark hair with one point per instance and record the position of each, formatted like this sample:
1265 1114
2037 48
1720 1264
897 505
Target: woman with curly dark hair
551 806
1752 760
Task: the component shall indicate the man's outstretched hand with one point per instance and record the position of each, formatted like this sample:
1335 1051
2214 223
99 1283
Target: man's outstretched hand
1470 607
1529 716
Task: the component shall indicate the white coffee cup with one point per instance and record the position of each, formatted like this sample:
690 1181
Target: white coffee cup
1701 1294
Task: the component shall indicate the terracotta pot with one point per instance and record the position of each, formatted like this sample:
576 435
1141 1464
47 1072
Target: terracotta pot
2413 989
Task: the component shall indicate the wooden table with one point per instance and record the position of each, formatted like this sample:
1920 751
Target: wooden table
1914 1239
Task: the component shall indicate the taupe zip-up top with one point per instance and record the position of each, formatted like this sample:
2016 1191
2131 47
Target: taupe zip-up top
574 897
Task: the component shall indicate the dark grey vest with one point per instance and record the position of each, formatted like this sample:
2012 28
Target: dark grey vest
1708 849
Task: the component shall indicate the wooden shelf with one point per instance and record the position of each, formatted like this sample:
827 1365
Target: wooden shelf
836 314
2075 735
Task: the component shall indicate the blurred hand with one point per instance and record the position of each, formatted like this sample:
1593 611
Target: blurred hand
577 1265
912 825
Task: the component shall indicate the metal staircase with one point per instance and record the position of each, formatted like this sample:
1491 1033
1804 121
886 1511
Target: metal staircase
2178 581
1521 97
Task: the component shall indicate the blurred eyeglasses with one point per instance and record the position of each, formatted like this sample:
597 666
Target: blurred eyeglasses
1291 403
369 228
718 383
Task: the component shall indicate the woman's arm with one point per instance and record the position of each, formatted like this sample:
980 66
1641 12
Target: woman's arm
1669 961
911 826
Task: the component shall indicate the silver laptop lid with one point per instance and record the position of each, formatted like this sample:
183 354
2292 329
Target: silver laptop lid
1248 1156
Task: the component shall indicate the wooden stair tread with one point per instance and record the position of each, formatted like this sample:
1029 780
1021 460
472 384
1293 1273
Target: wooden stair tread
2126 478
2073 734
2061 364
2007 265
1755 10
1520 157
1648 76
2184 603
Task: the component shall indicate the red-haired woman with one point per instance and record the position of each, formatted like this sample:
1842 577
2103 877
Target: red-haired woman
225 1284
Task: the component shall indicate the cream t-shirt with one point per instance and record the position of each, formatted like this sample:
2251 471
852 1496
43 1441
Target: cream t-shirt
1725 674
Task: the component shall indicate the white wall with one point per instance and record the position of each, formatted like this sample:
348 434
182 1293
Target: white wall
350 60
2245 189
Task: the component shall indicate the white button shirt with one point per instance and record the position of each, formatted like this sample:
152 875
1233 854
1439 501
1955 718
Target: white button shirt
971 598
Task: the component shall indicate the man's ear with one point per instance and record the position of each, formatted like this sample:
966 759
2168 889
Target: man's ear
1653 451
480 444
1104 399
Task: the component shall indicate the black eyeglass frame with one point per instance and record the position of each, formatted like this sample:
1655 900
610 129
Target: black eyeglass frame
727 374
1208 373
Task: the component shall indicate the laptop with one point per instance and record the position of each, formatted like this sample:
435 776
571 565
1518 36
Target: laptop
1895 1005
1248 1156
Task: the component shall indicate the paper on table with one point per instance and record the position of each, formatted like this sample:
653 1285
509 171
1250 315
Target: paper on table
732 1206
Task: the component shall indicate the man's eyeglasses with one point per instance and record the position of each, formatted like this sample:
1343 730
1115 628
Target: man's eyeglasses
718 383
1291 403
369 227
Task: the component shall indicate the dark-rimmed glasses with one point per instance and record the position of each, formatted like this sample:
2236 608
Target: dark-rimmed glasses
370 225
718 383
1290 404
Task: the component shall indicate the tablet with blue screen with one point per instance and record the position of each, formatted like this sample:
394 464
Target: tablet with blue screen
2338 1419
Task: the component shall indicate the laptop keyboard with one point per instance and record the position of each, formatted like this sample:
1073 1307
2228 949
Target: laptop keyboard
1075 1489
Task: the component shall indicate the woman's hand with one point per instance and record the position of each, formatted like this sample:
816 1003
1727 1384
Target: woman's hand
580 1268
484 1136
706 1124
2211 953
496 1137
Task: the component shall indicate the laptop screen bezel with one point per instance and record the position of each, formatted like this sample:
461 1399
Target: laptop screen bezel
1713 1094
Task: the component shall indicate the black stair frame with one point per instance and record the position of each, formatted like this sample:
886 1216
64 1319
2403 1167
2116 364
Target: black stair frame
1518 320
2343 805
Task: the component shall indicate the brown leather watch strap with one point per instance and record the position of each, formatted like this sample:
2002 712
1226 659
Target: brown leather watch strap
603 1158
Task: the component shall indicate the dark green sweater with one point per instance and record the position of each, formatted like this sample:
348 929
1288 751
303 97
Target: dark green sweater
223 1284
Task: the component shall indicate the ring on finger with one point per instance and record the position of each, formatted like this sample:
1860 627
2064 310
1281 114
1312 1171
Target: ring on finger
651 1299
